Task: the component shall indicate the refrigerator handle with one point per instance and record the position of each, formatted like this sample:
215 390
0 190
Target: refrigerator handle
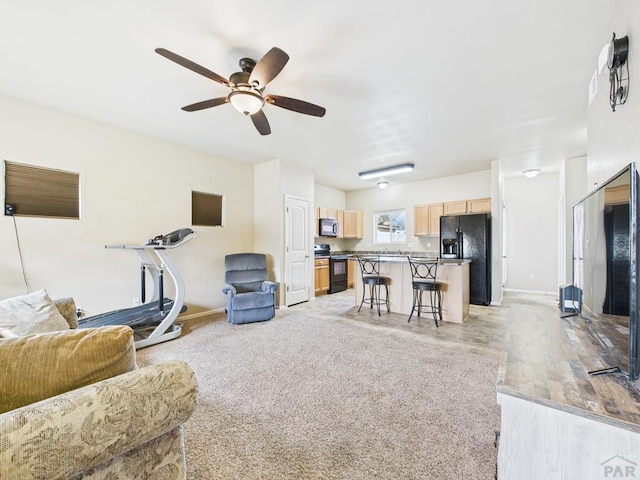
460 245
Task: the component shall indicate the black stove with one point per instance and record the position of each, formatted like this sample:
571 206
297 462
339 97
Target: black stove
321 250
338 265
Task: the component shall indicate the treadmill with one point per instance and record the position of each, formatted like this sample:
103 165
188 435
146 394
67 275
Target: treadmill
152 321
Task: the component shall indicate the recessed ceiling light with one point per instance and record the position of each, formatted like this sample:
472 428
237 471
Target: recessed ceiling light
532 172
381 172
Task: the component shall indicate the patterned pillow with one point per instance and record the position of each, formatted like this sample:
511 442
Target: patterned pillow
29 314
36 367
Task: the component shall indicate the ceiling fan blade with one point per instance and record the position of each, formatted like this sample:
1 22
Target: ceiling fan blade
296 105
268 67
261 123
214 102
174 57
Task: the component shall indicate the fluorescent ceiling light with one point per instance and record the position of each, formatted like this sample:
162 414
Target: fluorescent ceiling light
532 172
381 172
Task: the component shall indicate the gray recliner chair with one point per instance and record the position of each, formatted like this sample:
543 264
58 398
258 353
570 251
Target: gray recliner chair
250 296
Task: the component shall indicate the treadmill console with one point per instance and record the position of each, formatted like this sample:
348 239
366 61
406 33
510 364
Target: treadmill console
171 238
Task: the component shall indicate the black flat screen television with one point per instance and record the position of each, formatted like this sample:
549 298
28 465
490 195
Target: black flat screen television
605 256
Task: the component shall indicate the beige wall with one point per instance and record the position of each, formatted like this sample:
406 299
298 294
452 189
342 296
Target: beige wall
330 197
614 139
133 188
532 206
406 195
274 181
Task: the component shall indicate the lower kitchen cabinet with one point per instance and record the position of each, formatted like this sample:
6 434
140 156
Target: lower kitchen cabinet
321 275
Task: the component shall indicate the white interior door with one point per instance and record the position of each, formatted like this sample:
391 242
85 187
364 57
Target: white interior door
297 260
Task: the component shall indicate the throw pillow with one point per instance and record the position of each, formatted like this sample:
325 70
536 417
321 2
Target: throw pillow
67 308
36 367
29 314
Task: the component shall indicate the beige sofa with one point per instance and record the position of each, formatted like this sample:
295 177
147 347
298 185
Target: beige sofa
125 426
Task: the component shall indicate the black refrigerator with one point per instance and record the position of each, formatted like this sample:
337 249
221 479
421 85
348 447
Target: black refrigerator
469 236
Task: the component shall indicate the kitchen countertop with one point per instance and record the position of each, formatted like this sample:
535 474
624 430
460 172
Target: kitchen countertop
403 258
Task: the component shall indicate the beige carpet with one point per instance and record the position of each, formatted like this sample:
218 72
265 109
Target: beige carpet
314 395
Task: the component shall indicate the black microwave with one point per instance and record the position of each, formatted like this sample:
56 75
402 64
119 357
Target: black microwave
328 227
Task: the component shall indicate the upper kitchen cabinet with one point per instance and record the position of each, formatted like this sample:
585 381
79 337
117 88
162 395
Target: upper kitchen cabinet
324 212
477 205
426 219
352 224
455 208
349 221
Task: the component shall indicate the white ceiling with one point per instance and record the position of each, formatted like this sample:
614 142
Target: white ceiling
450 86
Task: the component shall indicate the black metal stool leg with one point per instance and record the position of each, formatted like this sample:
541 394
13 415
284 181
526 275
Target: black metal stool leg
364 288
386 287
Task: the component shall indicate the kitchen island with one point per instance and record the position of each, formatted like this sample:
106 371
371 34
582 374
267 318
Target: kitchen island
453 274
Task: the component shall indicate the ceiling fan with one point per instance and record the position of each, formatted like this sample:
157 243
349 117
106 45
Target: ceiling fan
247 87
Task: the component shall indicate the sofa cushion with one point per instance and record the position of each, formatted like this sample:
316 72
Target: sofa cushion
36 367
29 314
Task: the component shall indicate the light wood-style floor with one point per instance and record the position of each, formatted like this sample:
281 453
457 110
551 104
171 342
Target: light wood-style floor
483 332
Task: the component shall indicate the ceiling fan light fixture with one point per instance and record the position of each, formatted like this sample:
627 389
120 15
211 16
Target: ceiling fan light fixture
246 101
392 170
532 172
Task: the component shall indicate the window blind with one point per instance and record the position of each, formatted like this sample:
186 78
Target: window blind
206 209
42 192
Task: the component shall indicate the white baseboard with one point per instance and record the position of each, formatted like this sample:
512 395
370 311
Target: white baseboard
534 292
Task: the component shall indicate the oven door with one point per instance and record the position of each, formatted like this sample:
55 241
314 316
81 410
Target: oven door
337 274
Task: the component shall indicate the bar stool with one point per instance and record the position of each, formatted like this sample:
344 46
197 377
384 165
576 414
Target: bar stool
423 279
370 269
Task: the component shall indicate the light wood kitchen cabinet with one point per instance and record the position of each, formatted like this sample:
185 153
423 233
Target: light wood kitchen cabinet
455 208
436 210
349 221
479 205
426 219
420 220
352 224
321 275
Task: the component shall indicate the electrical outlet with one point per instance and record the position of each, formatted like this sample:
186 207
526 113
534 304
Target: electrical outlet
531 276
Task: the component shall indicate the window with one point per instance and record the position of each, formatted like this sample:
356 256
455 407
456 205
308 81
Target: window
389 227
206 209
41 192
